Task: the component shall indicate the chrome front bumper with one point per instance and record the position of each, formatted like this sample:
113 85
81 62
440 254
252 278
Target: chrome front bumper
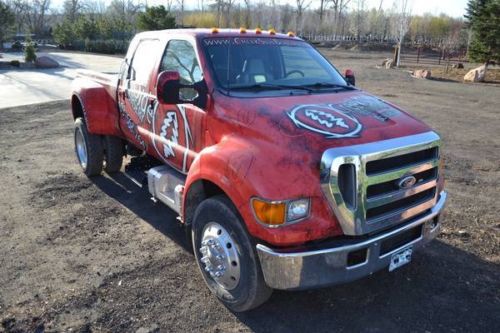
318 268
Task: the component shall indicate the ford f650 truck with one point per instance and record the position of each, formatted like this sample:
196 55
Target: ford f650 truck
285 174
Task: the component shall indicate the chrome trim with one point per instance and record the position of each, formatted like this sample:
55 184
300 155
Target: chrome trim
382 199
316 268
353 220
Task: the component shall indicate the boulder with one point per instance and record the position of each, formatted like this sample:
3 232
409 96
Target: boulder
422 74
46 62
476 74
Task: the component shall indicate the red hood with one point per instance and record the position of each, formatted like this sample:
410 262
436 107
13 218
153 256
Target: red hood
318 121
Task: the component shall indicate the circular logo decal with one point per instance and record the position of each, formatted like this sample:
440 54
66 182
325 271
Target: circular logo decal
326 120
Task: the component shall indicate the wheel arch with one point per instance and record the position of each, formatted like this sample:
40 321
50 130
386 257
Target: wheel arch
77 107
196 192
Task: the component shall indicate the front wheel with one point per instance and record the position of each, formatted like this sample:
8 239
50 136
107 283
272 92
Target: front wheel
88 149
226 256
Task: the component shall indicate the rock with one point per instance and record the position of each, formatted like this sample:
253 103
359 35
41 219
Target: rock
154 328
459 65
46 62
422 74
385 61
476 74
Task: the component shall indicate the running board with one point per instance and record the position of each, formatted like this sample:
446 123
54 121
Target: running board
167 185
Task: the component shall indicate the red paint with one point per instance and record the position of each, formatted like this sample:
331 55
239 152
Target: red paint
247 146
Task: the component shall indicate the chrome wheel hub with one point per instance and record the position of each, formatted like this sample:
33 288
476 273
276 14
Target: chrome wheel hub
81 149
219 256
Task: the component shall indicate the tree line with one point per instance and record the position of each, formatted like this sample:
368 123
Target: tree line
91 24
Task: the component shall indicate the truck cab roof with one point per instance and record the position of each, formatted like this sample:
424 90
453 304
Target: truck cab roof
215 32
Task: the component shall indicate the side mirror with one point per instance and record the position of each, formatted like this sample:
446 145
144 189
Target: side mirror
349 77
167 87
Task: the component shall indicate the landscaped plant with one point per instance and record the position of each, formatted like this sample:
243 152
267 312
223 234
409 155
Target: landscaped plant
29 52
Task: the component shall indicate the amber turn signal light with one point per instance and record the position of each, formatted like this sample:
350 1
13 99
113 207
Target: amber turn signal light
270 213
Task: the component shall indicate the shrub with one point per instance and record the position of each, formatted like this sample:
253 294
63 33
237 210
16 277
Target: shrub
29 53
15 63
17 46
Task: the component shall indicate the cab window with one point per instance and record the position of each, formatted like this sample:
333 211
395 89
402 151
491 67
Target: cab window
180 56
142 64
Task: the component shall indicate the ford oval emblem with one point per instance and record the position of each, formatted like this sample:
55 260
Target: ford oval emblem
407 182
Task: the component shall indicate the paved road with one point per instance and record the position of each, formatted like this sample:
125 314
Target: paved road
28 86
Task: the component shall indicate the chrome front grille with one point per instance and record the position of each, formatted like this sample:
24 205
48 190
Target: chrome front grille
364 182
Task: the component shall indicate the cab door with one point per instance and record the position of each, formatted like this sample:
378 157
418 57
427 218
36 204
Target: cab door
136 95
178 129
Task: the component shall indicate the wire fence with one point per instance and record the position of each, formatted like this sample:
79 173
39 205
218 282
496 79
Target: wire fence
439 57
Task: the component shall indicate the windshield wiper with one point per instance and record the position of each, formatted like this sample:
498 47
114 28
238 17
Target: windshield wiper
270 86
319 85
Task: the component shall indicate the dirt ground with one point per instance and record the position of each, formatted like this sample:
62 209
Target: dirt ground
96 255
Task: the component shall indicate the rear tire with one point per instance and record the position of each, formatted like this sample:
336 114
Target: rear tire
240 285
113 153
88 149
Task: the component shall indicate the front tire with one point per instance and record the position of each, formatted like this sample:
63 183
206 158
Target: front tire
226 256
88 149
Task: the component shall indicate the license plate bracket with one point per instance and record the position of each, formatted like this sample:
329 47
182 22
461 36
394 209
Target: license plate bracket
400 258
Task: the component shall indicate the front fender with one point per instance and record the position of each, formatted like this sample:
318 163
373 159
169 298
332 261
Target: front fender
243 171
99 106
225 165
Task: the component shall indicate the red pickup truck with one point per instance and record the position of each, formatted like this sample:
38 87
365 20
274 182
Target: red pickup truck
287 176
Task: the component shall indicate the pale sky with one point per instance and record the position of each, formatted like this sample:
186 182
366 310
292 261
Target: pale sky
454 8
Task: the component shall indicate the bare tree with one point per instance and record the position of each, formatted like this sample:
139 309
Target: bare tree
72 8
248 13
322 6
360 11
402 11
31 15
338 8
301 7
181 11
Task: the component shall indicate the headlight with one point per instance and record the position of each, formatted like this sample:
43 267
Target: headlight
297 209
276 213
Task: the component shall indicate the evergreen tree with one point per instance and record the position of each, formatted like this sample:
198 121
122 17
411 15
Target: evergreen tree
6 21
483 18
155 18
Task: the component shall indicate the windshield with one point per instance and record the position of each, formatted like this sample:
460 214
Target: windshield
269 63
